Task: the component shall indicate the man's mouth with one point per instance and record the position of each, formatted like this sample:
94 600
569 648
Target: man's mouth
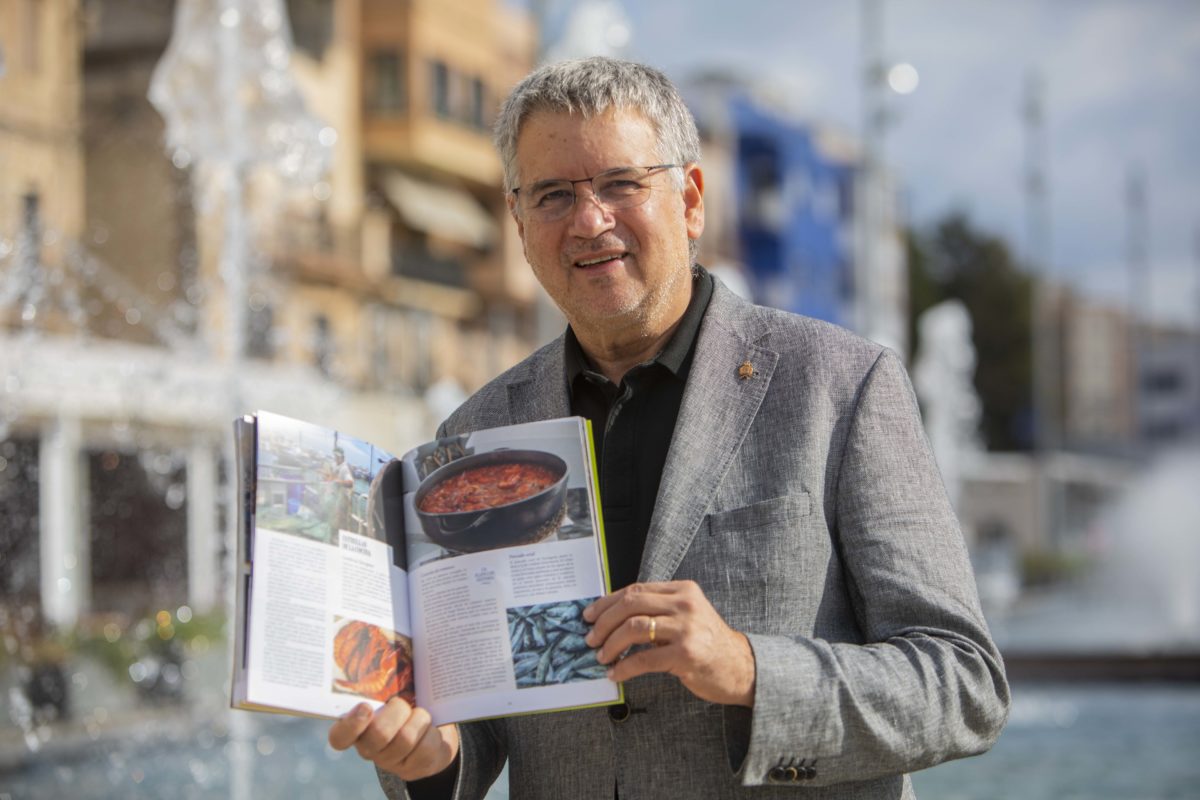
601 259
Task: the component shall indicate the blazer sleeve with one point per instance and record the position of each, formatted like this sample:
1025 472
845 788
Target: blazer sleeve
481 756
927 683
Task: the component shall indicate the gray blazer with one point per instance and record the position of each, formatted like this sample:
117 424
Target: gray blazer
805 502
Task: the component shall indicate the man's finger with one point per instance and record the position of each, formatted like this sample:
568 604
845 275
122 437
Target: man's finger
626 595
643 629
643 662
406 738
602 604
345 731
388 721
629 606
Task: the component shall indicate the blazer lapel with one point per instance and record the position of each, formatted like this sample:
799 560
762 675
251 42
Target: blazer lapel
542 392
717 409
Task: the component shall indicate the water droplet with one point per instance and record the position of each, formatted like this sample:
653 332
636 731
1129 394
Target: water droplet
322 191
327 136
181 158
205 739
199 771
175 496
165 281
133 316
138 671
64 585
230 18
276 55
265 745
306 770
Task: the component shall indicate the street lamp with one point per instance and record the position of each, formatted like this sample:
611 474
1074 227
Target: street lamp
878 268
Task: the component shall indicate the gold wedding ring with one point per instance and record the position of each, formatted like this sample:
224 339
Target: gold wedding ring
653 627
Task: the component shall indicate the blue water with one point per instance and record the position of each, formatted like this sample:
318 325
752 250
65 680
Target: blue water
1062 743
1083 742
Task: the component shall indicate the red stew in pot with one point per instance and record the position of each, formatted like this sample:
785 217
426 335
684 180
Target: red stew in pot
487 487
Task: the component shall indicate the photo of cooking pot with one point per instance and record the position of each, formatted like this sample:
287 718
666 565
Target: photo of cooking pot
500 498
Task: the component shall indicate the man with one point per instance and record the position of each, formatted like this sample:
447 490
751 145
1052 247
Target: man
783 552
342 482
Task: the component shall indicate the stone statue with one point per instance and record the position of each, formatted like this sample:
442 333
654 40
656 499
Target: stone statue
944 379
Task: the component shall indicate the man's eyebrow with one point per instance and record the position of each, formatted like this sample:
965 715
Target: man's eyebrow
535 185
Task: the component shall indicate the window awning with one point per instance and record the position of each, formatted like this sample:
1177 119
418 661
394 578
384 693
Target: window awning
443 211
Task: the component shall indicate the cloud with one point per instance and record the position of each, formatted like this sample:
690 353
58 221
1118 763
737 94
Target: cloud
1122 81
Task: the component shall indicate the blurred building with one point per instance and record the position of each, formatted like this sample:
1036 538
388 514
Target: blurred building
1168 402
1129 391
391 285
1129 387
782 205
1099 398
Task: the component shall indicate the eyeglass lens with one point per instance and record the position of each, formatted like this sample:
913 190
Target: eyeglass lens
614 190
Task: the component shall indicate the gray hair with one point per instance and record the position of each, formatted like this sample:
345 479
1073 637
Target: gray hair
591 86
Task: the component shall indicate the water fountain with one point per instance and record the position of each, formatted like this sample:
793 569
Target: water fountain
1141 599
157 390
1137 604
231 107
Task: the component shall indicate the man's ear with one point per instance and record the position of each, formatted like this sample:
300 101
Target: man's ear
511 200
693 200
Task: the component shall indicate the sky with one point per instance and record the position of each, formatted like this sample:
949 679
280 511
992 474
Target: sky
1121 94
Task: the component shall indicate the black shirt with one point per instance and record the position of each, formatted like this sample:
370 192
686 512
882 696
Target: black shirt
632 425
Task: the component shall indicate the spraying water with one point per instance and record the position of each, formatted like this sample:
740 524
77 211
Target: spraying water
1143 593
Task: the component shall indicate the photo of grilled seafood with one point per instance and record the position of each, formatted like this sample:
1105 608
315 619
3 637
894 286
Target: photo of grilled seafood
372 662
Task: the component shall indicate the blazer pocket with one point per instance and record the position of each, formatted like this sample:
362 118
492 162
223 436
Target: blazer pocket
774 511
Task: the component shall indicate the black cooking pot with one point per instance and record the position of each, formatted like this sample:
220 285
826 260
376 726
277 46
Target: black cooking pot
525 521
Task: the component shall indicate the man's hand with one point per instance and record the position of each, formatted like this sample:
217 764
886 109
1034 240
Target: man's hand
690 640
397 738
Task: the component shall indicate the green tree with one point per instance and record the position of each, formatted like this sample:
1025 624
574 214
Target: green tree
952 259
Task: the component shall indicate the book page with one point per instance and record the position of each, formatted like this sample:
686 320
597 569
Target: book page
328 600
505 551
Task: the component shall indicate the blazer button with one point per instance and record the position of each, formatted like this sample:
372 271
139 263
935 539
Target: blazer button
808 773
778 775
619 713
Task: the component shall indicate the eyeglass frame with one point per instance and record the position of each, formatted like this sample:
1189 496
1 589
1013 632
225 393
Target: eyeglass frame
575 194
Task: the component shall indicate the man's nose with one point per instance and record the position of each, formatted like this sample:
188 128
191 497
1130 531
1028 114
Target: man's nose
589 218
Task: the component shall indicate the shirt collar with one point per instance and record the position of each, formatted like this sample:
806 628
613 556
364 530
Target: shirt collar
674 356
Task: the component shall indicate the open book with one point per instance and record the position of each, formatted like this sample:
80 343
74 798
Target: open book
454 576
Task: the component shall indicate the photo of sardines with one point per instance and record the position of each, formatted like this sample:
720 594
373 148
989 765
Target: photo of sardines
547 644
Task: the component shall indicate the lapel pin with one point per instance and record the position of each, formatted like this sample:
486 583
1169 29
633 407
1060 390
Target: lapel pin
746 370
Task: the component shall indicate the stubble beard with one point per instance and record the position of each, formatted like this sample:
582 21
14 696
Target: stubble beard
642 312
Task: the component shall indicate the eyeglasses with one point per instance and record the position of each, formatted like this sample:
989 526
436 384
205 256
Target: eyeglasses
614 189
